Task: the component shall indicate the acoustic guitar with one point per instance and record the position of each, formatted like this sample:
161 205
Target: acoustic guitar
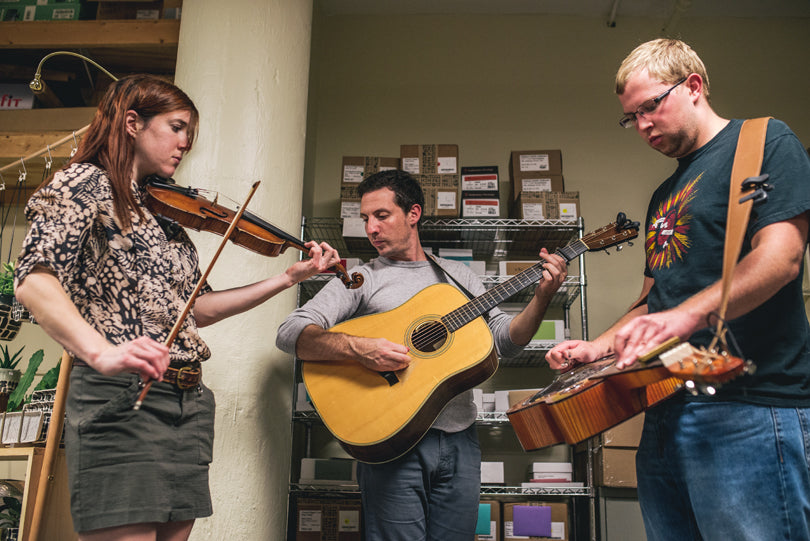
379 416
596 396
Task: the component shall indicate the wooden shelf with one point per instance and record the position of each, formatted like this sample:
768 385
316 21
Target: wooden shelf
121 46
57 524
90 34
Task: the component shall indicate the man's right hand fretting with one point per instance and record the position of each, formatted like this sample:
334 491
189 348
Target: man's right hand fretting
381 355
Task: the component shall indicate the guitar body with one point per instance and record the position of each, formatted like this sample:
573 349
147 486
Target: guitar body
376 421
588 400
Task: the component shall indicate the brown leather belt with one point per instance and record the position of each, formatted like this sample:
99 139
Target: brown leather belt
183 377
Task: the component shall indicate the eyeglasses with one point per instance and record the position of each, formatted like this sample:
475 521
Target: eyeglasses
630 119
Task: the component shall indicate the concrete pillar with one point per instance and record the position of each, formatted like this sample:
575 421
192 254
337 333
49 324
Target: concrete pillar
245 64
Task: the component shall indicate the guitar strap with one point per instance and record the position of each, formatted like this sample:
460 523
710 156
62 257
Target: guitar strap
747 164
442 270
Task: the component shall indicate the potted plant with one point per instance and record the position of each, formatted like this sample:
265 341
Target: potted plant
9 374
10 513
9 326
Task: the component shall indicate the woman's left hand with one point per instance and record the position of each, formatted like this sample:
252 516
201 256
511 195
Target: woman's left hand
321 258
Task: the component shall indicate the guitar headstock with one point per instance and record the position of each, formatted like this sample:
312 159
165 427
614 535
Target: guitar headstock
622 230
702 370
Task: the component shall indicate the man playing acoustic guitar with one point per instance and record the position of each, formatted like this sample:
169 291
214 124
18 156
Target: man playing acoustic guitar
431 491
733 465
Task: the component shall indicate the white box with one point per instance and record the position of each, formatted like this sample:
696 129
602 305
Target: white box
501 400
555 467
492 472
489 401
478 399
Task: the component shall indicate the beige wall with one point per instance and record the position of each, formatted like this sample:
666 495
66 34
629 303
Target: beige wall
493 84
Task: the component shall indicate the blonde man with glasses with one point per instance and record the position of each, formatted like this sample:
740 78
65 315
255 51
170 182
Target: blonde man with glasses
733 465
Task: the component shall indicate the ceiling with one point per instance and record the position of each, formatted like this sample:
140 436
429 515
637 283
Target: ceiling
609 9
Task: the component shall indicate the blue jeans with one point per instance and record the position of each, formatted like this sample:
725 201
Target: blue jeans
724 470
431 493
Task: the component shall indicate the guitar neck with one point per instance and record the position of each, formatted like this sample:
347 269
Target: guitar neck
495 296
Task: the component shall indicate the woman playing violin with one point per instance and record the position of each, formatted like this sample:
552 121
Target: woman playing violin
102 278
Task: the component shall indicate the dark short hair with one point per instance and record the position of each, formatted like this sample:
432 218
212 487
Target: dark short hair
407 191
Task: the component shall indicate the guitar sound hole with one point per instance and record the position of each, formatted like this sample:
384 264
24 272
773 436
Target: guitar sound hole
430 336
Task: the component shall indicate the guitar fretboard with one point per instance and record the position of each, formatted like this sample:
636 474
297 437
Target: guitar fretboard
492 298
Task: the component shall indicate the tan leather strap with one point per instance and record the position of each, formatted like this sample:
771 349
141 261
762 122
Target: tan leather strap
747 163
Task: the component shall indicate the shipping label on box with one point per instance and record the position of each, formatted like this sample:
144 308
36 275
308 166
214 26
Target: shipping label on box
528 162
480 208
356 168
479 179
349 208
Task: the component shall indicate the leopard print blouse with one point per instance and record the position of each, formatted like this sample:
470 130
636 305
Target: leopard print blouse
125 283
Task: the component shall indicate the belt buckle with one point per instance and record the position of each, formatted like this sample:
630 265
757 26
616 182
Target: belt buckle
180 384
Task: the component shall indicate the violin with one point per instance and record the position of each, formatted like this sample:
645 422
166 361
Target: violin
185 206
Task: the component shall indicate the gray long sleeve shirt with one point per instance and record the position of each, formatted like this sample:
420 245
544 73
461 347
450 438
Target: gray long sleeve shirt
388 284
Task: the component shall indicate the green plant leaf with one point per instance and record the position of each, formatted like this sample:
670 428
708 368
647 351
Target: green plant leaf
16 399
50 378
7 360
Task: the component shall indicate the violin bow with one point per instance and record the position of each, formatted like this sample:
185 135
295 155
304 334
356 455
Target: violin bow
176 329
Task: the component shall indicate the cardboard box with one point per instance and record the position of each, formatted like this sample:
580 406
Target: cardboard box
440 202
319 519
490 521
477 207
626 434
528 163
517 396
546 206
612 466
511 268
536 183
480 182
129 10
356 168
429 159
557 519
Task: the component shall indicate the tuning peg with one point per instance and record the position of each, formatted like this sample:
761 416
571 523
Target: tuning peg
630 243
619 248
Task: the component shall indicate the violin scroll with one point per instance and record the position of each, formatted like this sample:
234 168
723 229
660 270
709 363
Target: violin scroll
354 282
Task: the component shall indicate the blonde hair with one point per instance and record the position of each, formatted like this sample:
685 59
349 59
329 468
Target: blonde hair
668 60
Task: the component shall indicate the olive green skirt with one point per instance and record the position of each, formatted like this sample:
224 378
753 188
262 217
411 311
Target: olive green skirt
129 467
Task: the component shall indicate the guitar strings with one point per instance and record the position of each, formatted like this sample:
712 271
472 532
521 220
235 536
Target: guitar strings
439 330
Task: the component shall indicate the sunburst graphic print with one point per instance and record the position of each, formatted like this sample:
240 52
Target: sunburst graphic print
668 234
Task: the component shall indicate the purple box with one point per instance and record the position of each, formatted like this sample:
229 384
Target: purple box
531 520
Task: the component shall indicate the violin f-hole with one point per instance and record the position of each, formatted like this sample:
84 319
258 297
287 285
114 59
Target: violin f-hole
206 210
